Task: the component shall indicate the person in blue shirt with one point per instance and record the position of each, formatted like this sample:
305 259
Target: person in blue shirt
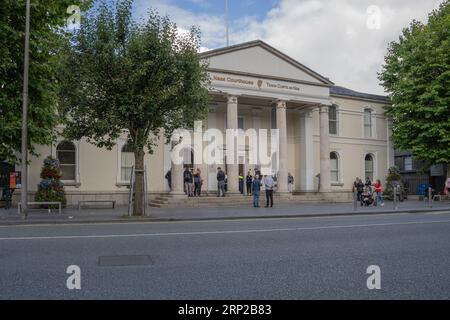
256 190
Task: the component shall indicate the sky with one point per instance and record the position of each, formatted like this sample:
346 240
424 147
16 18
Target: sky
344 40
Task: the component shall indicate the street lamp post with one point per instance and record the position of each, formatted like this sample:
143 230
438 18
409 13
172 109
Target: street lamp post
24 175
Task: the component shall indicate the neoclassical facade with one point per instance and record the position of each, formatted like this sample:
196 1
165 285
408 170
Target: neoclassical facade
323 129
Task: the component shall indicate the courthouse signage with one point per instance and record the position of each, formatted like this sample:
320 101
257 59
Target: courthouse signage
252 83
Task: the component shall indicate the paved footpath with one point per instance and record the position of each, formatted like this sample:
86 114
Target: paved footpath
72 215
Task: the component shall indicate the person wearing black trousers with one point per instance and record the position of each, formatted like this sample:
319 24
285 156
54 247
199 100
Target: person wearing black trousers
249 182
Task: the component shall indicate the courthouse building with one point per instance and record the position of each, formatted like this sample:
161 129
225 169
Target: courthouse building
324 129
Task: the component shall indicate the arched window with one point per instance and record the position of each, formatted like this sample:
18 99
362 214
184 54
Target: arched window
333 119
368 123
66 154
127 162
334 165
369 166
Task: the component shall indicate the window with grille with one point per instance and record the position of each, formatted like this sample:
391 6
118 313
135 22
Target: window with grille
127 162
334 165
369 167
66 154
332 115
368 123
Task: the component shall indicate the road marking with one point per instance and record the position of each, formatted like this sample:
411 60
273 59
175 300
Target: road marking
106 236
249 219
437 213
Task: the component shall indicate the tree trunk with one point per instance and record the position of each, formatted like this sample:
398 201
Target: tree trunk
139 183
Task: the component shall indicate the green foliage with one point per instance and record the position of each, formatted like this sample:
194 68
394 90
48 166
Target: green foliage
140 77
51 188
417 76
392 178
144 78
47 19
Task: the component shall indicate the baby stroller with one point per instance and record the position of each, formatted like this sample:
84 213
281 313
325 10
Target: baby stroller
367 199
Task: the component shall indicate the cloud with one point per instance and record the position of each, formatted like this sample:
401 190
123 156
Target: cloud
332 37
212 26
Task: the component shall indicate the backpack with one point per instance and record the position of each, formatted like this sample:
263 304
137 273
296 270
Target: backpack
220 176
360 187
187 176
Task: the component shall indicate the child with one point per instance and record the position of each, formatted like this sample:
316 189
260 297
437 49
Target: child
367 198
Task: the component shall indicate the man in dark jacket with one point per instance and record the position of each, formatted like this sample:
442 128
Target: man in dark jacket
188 181
358 186
169 178
249 181
220 182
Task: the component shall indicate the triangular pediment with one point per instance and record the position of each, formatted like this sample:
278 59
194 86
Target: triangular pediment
258 58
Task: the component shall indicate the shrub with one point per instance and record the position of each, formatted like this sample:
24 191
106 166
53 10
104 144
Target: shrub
51 188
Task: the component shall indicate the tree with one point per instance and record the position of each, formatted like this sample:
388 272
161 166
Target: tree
47 19
51 188
416 73
145 78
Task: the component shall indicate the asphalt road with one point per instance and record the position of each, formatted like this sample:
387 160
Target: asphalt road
298 258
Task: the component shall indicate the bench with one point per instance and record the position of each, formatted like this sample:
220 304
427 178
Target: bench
47 203
440 197
113 202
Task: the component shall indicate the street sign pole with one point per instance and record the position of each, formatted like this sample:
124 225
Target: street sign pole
24 174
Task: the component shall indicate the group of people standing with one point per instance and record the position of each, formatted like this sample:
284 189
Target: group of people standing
367 193
192 181
255 184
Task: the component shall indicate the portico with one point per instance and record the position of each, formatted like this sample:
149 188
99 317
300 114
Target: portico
264 97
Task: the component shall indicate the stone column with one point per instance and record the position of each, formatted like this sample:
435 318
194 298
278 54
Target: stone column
256 114
305 157
283 159
232 165
177 178
325 174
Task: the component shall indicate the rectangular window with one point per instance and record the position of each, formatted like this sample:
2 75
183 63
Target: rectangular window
126 166
400 163
273 117
368 123
332 114
66 154
408 164
241 123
